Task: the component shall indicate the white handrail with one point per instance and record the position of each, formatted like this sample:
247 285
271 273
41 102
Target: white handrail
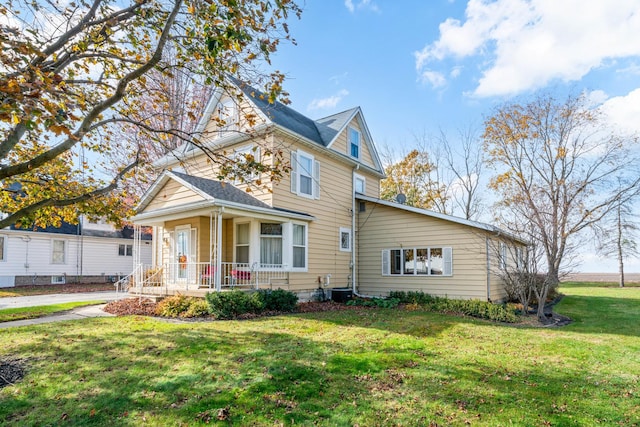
126 280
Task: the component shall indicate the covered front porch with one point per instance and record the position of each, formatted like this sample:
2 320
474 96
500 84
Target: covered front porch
221 239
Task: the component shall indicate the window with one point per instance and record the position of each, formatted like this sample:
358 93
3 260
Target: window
270 244
417 261
345 239
354 143
3 250
305 175
359 183
244 159
242 242
58 280
58 252
226 117
299 246
502 256
125 250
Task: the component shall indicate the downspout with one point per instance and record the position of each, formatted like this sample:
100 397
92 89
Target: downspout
354 268
486 242
353 231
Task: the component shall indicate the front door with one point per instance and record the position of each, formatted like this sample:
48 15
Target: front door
185 254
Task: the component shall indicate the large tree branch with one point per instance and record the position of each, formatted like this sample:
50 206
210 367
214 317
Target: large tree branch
27 210
93 115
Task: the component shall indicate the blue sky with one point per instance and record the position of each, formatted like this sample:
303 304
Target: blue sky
420 66
444 64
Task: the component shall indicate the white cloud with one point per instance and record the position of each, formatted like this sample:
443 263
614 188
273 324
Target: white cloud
434 78
329 102
623 111
528 43
361 5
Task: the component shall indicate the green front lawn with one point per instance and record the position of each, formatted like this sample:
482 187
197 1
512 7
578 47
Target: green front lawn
365 367
23 313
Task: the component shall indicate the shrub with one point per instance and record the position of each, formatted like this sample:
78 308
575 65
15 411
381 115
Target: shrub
227 305
197 308
474 308
182 306
278 300
375 302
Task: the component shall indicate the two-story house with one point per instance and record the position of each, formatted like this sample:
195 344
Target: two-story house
321 226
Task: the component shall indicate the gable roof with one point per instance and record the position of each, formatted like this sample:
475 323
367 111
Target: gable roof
330 126
450 218
282 115
220 190
214 193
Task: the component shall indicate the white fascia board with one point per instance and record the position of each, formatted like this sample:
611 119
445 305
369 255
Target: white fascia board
344 126
168 161
473 224
331 153
204 207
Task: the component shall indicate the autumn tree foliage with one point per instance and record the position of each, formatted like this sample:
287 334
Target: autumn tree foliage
74 74
557 168
413 176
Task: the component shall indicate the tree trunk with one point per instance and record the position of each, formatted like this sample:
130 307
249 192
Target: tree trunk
619 244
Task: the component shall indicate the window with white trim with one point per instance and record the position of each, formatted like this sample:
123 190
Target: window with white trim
345 239
354 143
270 244
424 261
227 117
58 280
242 242
305 175
245 158
502 256
359 184
299 245
3 248
125 250
58 252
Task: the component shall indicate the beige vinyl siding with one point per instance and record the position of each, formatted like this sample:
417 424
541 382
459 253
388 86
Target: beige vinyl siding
201 165
172 194
332 211
341 144
201 224
382 227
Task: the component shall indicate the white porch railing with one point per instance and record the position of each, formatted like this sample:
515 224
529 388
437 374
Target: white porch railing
190 276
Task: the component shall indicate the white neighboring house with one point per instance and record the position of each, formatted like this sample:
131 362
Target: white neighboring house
91 253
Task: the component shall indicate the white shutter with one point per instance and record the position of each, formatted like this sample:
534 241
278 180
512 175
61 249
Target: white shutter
447 254
386 268
316 180
294 173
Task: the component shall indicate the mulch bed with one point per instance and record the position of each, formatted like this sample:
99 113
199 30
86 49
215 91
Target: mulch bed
11 371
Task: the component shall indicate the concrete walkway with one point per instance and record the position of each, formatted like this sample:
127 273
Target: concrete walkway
74 314
51 299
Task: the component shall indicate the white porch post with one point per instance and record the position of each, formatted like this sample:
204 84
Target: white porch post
137 242
218 269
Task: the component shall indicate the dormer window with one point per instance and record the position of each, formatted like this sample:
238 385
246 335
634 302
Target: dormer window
354 143
227 116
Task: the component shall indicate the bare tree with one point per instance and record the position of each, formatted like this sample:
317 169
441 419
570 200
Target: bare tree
465 165
557 167
617 234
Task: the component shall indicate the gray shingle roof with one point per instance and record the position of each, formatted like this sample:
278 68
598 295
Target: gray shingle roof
221 191
330 126
283 115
